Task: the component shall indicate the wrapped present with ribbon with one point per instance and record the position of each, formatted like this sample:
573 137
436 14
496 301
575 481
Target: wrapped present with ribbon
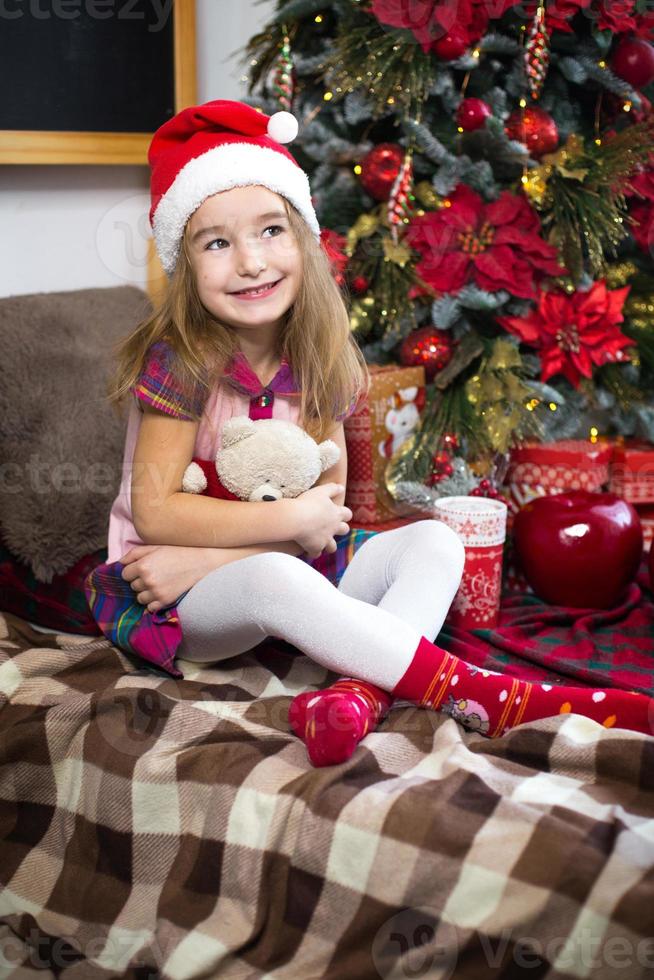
537 469
632 472
374 432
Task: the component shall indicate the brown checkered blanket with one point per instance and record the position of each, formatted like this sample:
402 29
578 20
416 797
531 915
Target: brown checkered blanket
152 828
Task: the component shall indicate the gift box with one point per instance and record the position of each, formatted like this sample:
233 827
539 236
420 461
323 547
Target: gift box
632 472
374 432
540 468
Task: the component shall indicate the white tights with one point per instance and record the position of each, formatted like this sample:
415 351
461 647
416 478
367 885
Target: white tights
397 588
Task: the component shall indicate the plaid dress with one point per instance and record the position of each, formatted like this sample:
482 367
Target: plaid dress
155 637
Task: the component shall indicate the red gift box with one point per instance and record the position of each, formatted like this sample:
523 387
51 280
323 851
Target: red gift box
382 422
632 472
540 468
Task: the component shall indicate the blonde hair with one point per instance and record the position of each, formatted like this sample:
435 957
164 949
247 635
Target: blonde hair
316 339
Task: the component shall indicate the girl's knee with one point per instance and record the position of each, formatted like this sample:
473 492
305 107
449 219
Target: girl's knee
440 540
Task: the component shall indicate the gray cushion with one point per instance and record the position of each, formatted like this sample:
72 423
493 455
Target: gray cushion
61 443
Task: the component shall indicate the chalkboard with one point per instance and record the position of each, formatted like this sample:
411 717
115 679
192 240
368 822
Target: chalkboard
87 65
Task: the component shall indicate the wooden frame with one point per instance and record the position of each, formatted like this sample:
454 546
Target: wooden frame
46 147
43 146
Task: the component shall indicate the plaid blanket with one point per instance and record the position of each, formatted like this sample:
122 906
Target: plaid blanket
152 827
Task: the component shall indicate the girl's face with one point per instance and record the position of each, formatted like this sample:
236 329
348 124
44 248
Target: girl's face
246 259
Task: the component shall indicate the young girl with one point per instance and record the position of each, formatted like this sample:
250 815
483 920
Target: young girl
253 324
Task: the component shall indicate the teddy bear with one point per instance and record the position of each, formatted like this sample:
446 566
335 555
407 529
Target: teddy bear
262 459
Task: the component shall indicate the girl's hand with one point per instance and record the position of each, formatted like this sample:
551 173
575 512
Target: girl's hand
321 519
159 574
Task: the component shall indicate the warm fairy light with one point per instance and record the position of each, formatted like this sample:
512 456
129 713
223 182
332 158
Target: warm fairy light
358 169
627 106
553 406
531 405
598 142
522 103
318 18
601 64
390 100
328 96
447 204
476 53
593 433
524 179
459 129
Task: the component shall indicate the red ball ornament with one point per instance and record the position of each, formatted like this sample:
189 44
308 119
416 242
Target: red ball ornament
579 548
380 168
535 128
360 284
472 114
448 48
633 60
428 347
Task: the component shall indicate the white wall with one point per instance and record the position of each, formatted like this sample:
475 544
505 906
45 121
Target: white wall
74 227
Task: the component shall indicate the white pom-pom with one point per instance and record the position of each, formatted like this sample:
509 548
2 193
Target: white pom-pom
283 127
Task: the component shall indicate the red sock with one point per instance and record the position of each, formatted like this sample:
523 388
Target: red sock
492 703
332 722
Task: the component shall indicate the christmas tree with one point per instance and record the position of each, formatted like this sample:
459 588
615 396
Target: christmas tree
484 175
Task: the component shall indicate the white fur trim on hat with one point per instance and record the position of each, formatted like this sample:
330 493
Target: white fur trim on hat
221 169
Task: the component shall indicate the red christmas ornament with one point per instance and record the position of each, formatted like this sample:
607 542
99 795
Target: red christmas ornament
379 169
633 60
472 114
360 284
535 128
451 440
428 347
448 47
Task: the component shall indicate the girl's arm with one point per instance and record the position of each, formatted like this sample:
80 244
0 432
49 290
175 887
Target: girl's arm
338 472
163 514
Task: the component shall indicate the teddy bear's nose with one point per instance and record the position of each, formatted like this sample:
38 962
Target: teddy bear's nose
268 496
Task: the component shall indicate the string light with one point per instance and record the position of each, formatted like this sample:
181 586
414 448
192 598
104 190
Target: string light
318 18
593 433
627 106
328 96
553 406
358 169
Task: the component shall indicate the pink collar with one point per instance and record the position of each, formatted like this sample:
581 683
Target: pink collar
240 375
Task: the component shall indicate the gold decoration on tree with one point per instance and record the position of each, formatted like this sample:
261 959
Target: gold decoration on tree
583 205
385 65
499 396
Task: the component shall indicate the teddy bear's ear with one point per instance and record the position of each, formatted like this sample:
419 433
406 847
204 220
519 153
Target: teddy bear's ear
236 429
329 454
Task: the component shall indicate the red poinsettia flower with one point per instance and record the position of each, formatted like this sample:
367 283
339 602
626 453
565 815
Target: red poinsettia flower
575 331
430 20
333 246
496 246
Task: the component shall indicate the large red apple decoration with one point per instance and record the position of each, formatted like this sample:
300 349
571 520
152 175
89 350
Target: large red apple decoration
579 548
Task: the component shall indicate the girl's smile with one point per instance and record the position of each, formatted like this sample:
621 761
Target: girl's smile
258 292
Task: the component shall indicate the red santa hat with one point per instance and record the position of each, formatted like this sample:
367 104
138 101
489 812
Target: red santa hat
214 147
